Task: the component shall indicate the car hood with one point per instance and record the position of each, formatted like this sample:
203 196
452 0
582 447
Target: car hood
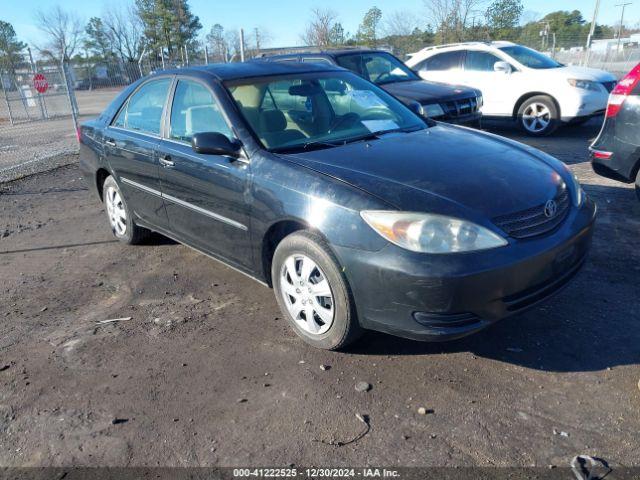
443 169
428 92
580 73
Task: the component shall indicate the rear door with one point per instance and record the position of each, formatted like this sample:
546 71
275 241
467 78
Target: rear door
204 194
445 67
130 147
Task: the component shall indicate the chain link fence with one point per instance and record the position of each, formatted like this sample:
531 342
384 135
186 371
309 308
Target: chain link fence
38 114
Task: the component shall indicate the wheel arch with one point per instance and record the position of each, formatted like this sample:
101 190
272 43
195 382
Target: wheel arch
272 237
635 171
101 175
523 98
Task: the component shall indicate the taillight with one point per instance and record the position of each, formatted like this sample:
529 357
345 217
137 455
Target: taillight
622 91
78 135
601 155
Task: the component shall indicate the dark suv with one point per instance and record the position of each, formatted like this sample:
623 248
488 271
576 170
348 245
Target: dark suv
616 151
448 103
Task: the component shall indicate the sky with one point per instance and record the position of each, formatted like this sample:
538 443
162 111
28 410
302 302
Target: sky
285 19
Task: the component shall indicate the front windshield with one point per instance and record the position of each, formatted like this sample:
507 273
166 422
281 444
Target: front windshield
379 68
530 58
318 110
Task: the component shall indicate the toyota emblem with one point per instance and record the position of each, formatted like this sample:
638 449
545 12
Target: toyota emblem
550 209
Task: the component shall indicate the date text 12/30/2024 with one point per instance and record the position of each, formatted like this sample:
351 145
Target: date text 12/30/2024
315 472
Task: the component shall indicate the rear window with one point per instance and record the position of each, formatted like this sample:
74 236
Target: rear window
442 61
143 111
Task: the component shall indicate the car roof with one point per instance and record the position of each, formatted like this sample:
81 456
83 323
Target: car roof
457 46
236 71
329 53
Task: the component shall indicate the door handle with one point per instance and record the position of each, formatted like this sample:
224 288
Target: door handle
166 161
110 142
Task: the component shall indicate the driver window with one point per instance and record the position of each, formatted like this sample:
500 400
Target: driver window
380 67
195 110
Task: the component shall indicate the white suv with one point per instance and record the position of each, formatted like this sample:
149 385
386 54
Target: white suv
519 82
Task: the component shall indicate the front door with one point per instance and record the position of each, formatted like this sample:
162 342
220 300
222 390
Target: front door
205 195
131 143
479 73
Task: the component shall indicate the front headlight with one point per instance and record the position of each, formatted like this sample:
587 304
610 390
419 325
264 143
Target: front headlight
578 193
429 233
432 110
584 84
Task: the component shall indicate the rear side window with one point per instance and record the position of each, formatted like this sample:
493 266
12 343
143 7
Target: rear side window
195 110
480 61
321 60
143 111
442 61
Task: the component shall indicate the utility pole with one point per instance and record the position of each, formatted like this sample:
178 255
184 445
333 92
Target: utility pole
242 45
591 32
623 5
544 34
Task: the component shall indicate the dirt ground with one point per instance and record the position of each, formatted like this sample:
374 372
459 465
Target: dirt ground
206 372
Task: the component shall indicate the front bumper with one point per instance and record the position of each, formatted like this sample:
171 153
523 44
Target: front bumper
468 119
444 297
576 104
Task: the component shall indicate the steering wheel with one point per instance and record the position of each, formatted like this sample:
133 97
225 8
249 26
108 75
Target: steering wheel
344 121
382 76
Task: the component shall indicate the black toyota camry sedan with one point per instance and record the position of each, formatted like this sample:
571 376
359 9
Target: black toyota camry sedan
359 213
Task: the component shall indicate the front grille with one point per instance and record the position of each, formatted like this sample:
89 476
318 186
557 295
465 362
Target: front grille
609 85
460 107
534 221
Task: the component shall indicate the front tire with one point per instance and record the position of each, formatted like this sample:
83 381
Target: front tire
119 215
538 116
638 184
313 293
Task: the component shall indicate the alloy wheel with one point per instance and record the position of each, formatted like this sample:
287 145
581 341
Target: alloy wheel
116 211
307 294
536 117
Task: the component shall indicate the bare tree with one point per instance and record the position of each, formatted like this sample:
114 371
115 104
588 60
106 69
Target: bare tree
452 17
64 31
258 38
232 37
399 23
319 29
125 31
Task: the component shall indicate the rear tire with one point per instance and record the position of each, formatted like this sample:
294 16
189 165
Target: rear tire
638 184
119 215
308 283
538 116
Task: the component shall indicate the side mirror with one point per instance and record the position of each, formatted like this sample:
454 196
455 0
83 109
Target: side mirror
503 67
214 143
416 108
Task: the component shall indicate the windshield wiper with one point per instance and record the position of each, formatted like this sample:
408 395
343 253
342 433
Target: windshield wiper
319 144
378 133
313 145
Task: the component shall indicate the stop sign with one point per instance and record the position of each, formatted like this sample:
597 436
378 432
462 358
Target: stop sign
40 83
